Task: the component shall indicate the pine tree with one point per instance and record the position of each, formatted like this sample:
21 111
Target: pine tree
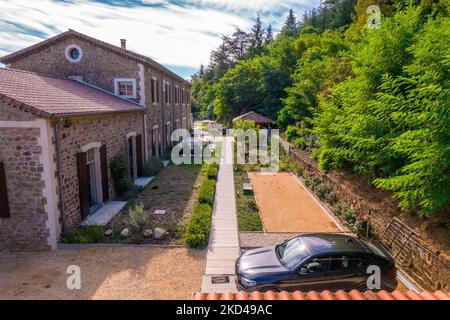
291 25
256 38
269 35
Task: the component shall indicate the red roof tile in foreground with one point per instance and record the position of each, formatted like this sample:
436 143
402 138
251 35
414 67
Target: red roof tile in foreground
325 295
51 97
253 116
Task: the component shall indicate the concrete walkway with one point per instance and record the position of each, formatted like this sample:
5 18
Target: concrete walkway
223 249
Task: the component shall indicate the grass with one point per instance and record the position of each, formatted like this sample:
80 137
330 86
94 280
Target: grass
247 209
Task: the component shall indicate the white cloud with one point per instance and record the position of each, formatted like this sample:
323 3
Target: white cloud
171 34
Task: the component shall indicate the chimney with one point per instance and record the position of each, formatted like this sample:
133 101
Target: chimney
123 43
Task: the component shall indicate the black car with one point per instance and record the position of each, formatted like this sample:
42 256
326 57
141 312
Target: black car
315 262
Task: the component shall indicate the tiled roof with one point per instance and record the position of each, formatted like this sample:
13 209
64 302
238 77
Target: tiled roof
253 116
74 34
51 97
325 295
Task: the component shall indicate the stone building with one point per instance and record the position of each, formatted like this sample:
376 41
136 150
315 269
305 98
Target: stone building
165 95
68 105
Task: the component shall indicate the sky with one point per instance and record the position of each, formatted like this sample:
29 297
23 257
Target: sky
179 34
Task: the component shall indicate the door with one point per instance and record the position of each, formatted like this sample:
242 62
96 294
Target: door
139 156
131 158
312 275
83 184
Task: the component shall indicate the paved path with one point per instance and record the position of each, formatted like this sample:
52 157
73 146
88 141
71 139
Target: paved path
223 249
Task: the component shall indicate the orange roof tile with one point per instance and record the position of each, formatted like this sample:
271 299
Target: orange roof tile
51 97
325 295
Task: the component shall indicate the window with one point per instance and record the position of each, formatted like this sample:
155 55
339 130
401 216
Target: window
125 88
317 265
73 53
292 253
166 92
177 95
183 96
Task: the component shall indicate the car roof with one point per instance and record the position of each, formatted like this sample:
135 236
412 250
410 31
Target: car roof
331 243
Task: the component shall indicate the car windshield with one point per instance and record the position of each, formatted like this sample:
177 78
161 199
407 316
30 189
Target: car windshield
375 249
292 253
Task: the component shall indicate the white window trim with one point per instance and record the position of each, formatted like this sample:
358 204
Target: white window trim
67 53
116 87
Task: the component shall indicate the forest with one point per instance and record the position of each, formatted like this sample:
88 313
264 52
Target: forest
360 94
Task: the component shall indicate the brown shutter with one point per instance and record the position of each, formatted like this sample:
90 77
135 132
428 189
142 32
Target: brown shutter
139 156
83 183
4 205
104 168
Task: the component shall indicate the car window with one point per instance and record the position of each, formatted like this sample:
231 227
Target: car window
345 262
317 265
292 253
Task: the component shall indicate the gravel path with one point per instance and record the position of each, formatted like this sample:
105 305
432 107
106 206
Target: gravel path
286 206
106 273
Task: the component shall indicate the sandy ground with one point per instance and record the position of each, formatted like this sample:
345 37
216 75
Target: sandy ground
287 207
106 273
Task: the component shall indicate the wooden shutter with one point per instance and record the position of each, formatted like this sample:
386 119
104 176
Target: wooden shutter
139 156
104 168
83 183
4 205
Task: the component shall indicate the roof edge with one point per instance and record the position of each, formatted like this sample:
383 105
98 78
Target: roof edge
15 56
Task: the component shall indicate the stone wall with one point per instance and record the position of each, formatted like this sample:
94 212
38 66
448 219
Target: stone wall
425 266
21 154
78 132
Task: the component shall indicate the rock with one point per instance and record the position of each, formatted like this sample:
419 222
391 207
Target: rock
109 232
148 233
159 233
125 233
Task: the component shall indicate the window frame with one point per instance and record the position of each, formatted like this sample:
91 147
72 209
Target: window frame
117 82
69 48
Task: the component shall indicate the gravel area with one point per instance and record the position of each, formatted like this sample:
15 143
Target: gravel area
106 273
286 206
250 240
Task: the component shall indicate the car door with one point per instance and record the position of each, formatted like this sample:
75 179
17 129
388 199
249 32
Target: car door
345 272
311 275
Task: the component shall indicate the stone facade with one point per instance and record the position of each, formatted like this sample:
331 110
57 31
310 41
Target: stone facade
99 67
78 132
22 155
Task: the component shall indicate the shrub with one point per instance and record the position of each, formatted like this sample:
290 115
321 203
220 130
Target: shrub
88 234
292 133
206 192
300 143
213 170
197 233
323 190
152 167
119 174
138 219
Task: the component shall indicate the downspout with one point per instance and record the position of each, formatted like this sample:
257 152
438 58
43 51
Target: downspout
58 169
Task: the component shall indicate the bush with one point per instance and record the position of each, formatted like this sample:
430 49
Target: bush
292 133
213 170
206 192
88 234
119 174
138 219
152 167
300 143
323 190
197 233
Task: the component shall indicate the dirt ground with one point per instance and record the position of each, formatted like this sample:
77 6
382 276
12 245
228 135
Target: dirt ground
174 190
106 273
286 206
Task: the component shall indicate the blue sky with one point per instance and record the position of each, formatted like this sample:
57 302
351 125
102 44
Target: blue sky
177 33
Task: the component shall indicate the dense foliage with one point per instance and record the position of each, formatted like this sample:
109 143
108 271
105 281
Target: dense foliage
375 101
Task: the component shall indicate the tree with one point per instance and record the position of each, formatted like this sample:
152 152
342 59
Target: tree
256 38
269 35
290 26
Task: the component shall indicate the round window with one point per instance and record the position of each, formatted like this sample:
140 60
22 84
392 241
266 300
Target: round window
73 53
